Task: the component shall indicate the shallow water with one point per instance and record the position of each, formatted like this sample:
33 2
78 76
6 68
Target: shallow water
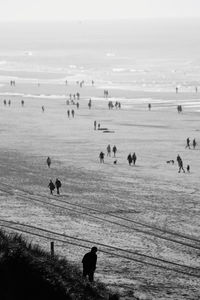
138 55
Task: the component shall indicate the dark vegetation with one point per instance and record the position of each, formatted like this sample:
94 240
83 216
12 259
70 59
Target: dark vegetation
28 272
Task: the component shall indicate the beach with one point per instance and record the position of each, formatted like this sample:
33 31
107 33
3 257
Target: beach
152 192
144 219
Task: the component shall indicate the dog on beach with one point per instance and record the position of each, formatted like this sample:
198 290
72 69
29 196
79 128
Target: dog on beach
115 162
171 161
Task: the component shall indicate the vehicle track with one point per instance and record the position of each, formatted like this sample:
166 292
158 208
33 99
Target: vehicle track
168 235
107 249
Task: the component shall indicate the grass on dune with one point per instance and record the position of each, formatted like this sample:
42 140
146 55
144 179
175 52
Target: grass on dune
28 272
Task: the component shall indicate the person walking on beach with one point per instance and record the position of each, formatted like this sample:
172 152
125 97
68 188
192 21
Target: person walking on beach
42 108
114 150
72 112
95 125
194 143
187 143
129 158
48 161
99 126
22 103
68 113
101 157
180 164
176 90
149 106
51 187
9 102
134 158
108 150
188 168
89 262
4 102
58 185
90 104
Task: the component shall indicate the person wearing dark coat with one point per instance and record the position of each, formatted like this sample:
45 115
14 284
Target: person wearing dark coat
129 158
101 157
48 161
51 187
58 185
180 164
89 264
134 158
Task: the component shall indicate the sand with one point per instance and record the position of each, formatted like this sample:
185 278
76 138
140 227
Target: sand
152 192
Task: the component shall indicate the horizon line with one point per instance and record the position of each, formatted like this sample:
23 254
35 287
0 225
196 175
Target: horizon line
98 19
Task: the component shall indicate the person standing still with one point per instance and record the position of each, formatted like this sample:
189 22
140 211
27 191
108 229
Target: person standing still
89 264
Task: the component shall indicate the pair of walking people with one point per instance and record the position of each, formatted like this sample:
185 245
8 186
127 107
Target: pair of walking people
52 186
132 159
114 150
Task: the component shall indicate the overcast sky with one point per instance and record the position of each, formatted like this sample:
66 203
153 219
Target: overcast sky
95 9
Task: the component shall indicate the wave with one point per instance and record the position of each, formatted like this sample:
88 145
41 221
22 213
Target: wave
46 96
118 69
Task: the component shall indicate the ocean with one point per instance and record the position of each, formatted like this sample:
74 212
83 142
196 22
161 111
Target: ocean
149 55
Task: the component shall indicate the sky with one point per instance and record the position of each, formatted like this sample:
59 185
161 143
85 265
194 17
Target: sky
60 10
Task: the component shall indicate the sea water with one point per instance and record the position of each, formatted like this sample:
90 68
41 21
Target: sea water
149 55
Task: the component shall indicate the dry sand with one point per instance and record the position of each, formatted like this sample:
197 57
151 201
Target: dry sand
152 192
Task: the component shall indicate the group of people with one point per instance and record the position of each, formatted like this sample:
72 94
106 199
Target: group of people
114 150
132 159
72 113
179 108
194 143
74 96
9 102
102 154
116 105
5 102
52 186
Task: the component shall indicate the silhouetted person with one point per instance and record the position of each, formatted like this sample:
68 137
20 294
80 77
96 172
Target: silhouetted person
108 150
58 185
196 89
51 187
180 164
188 168
176 90
149 106
89 264
99 126
42 108
134 158
114 150
72 112
187 143
22 102
101 157
194 143
129 158
9 102
77 105
68 113
95 125
4 102
48 161
90 104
